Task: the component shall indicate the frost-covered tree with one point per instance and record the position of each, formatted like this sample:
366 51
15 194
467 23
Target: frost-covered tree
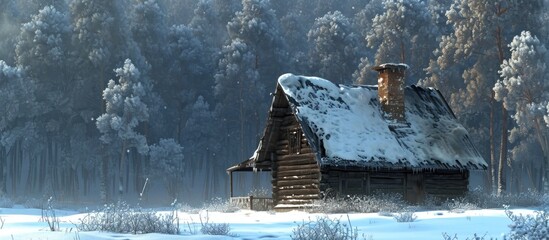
257 26
103 40
190 74
150 32
335 51
239 91
167 163
253 58
43 42
42 50
124 111
210 17
524 90
363 19
9 27
27 8
465 68
202 148
188 60
403 33
294 29
16 126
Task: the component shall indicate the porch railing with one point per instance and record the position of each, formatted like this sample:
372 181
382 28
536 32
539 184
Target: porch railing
253 203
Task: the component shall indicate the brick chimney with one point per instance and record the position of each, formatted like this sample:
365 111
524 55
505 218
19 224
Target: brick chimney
391 90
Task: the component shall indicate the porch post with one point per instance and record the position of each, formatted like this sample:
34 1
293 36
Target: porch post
231 182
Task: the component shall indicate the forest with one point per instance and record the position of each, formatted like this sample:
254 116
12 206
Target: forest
103 99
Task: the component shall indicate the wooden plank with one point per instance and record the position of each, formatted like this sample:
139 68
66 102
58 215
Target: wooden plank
284 167
308 176
288 192
299 172
301 186
305 150
296 182
295 156
296 201
300 196
304 161
282 152
292 126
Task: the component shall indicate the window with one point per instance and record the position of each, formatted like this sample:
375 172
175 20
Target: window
294 141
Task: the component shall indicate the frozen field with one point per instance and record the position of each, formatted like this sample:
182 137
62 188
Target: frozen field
23 223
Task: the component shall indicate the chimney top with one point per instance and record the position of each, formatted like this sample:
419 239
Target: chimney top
391 90
393 67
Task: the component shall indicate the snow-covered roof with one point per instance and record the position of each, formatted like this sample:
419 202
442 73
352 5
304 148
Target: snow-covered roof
346 126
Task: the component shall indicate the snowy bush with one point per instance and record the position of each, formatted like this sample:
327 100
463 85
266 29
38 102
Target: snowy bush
213 228
325 228
459 205
405 216
529 226
49 216
362 204
481 199
445 236
6 202
220 205
121 218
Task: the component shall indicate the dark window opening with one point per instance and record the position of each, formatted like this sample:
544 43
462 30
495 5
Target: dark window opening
294 141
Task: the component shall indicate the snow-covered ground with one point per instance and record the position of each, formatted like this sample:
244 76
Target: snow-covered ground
23 223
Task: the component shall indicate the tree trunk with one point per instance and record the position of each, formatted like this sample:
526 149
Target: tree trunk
492 172
103 186
121 168
503 152
3 170
545 178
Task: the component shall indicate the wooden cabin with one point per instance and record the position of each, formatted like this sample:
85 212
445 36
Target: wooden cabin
324 139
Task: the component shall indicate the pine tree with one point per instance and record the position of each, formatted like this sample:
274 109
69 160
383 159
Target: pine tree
167 163
124 111
150 31
42 51
16 126
472 52
335 51
239 91
524 91
258 27
403 33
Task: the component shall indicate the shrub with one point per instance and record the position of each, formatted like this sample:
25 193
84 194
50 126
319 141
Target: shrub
528 227
482 199
445 236
121 218
459 205
362 204
324 228
405 216
49 216
220 205
6 202
214 228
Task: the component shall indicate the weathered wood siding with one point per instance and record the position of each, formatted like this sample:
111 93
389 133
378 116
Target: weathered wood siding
413 186
296 174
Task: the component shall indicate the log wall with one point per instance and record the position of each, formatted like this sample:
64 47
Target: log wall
413 186
296 175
